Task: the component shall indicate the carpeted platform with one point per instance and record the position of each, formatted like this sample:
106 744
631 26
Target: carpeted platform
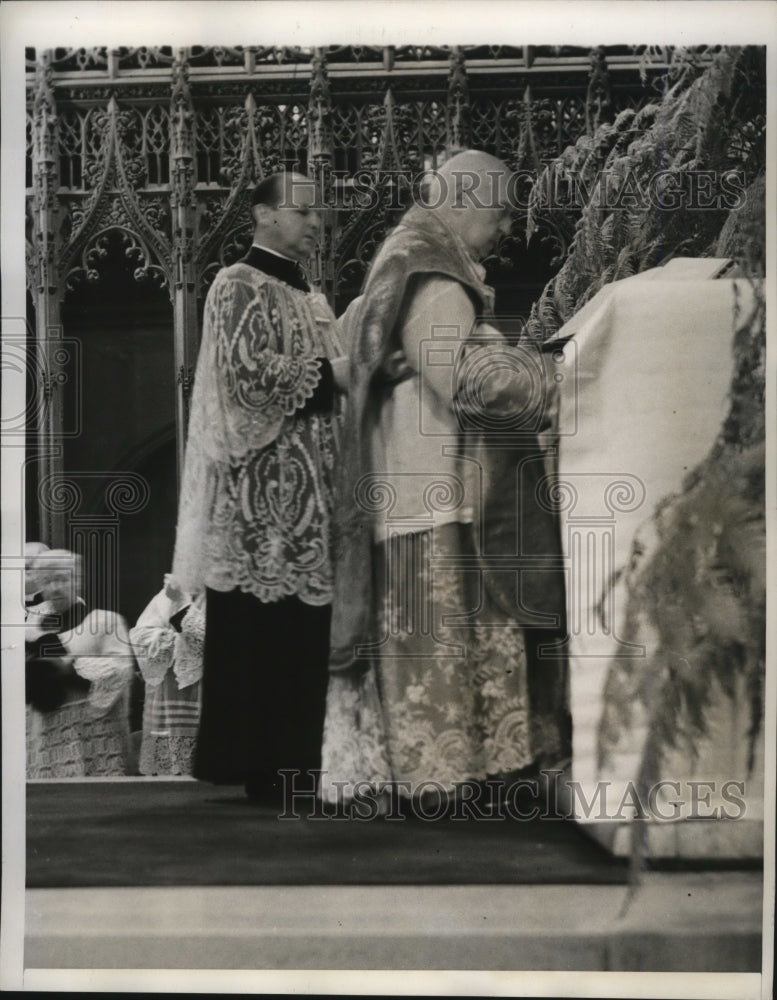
182 833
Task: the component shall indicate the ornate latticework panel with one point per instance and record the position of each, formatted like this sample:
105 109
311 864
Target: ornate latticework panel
358 117
72 149
293 136
216 55
69 60
143 57
96 160
495 125
347 146
209 131
141 161
156 145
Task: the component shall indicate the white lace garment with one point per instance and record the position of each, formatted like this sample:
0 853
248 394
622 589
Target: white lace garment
257 491
171 665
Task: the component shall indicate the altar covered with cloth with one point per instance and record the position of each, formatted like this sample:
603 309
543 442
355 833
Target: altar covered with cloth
662 527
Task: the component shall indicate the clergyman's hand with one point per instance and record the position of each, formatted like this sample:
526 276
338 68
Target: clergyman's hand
173 591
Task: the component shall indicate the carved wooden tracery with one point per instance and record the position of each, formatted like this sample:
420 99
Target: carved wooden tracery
162 147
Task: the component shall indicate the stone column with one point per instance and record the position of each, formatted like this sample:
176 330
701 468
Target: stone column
182 204
320 156
52 354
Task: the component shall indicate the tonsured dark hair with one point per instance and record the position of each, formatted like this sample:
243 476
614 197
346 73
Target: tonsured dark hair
269 191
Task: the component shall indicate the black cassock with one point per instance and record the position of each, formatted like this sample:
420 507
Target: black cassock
264 691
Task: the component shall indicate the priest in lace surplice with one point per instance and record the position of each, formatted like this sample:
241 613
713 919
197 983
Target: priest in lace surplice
256 501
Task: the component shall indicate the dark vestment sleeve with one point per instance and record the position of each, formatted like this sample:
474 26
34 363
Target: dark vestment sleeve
176 620
323 398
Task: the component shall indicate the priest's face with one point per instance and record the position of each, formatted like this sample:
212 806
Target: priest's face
292 227
486 227
472 190
487 214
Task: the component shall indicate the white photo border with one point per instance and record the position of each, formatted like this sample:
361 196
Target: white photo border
322 22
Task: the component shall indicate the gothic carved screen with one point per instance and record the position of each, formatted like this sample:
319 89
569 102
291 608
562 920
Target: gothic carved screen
140 164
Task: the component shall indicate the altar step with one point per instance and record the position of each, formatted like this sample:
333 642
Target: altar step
689 922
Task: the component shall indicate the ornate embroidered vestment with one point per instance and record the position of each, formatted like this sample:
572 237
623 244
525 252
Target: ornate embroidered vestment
257 491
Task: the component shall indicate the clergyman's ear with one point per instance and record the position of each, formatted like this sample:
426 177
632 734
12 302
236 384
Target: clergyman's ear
262 214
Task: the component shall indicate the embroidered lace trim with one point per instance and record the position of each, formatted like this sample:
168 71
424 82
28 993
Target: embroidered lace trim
257 492
190 648
167 753
154 646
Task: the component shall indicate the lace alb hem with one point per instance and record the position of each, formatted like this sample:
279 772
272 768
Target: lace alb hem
167 754
190 648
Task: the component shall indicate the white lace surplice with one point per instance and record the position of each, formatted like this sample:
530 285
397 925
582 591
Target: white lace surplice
257 491
171 665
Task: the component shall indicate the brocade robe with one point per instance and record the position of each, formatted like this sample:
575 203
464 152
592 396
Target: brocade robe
429 652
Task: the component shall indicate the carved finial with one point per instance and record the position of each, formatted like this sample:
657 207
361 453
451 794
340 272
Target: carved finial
181 110
457 80
319 78
319 108
526 156
44 110
458 102
598 98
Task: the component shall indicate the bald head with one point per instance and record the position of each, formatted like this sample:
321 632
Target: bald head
472 191
473 161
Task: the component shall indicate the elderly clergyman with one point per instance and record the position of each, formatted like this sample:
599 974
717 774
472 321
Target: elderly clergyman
256 500
440 470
